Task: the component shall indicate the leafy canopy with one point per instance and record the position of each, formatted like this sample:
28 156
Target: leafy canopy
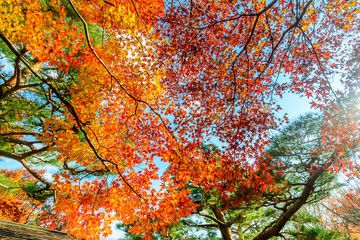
106 92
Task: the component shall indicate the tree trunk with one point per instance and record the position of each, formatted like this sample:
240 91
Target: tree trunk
225 229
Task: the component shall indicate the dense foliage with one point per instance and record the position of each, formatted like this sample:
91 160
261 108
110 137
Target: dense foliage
110 92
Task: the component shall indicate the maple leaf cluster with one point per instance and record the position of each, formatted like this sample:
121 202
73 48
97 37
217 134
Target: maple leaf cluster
343 210
15 205
110 92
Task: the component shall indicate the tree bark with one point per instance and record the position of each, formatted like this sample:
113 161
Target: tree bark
225 228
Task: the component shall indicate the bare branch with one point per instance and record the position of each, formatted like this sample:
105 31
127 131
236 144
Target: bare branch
202 225
19 157
211 217
242 15
7 187
35 173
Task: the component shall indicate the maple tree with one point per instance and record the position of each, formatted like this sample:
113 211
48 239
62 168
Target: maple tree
299 147
14 203
105 90
342 210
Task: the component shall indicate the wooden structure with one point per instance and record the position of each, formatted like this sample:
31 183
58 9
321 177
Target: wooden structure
17 231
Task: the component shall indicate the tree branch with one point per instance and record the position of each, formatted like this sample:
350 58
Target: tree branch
276 226
35 173
19 157
202 225
211 217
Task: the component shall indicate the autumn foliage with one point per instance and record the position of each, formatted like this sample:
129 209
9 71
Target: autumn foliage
108 92
343 210
15 205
